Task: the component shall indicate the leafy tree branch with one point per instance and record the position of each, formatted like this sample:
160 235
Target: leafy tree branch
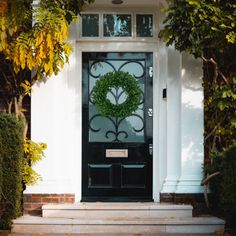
33 46
207 30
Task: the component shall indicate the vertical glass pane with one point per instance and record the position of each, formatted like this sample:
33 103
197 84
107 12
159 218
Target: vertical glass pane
90 25
144 25
115 129
116 25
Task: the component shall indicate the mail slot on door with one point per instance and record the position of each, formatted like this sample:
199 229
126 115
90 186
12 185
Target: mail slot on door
116 153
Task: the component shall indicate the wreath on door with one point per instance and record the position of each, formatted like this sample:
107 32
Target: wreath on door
117 79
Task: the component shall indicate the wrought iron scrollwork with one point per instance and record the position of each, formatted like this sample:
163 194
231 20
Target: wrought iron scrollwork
115 133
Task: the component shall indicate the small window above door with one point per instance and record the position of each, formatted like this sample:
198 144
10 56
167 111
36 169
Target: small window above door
144 24
90 25
117 25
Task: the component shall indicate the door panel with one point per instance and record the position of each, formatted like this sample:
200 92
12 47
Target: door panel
117 163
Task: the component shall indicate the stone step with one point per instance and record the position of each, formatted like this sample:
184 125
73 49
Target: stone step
108 234
40 225
116 210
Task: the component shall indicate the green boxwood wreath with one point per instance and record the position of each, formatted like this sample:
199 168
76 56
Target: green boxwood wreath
112 80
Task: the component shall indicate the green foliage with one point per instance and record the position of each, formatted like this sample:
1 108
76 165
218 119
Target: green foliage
223 186
195 26
33 40
16 160
33 153
220 115
11 153
116 80
1 172
206 29
41 45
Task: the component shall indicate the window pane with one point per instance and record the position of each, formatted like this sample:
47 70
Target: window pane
116 25
90 24
144 25
115 129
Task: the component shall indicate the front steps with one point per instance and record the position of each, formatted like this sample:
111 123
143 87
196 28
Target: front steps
127 210
119 218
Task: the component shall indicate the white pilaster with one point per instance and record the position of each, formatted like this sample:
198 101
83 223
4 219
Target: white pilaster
191 126
173 121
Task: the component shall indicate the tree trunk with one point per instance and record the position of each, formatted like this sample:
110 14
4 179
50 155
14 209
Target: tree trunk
18 102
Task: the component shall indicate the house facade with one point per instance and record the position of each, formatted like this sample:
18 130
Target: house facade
155 152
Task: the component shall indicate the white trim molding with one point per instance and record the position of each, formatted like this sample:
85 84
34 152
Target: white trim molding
192 153
173 121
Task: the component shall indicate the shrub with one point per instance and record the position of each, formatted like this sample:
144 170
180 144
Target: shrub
0 173
11 153
33 153
223 186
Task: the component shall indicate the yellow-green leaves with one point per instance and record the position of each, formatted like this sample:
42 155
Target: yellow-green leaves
231 37
42 46
26 85
193 2
33 153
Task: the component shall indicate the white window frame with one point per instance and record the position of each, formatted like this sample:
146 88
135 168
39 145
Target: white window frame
133 26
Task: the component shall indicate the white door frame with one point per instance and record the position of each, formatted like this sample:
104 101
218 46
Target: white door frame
124 47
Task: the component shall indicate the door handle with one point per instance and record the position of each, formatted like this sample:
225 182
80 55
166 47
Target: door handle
150 149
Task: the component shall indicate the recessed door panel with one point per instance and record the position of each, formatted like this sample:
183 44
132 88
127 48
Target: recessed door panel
100 176
134 176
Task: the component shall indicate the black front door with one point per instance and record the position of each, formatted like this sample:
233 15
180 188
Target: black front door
117 152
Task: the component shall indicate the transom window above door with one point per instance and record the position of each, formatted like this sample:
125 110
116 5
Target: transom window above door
117 25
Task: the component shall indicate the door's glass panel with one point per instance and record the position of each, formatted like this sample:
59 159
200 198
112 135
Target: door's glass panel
144 25
115 129
116 25
90 25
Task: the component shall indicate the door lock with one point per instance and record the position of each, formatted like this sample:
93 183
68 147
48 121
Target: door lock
150 149
150 113
150 71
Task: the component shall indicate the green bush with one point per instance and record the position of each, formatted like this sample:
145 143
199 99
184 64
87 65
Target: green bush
11 153
223 186
0 174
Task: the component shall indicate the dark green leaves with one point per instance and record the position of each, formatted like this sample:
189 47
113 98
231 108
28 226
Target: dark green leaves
197 25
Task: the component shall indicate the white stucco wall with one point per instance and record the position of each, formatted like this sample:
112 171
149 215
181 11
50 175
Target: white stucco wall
178 120
54 105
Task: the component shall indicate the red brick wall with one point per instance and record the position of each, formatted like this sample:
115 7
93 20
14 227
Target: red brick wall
33 202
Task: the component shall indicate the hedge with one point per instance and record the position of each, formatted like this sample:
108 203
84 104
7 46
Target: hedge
223 186
11 153
0 174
